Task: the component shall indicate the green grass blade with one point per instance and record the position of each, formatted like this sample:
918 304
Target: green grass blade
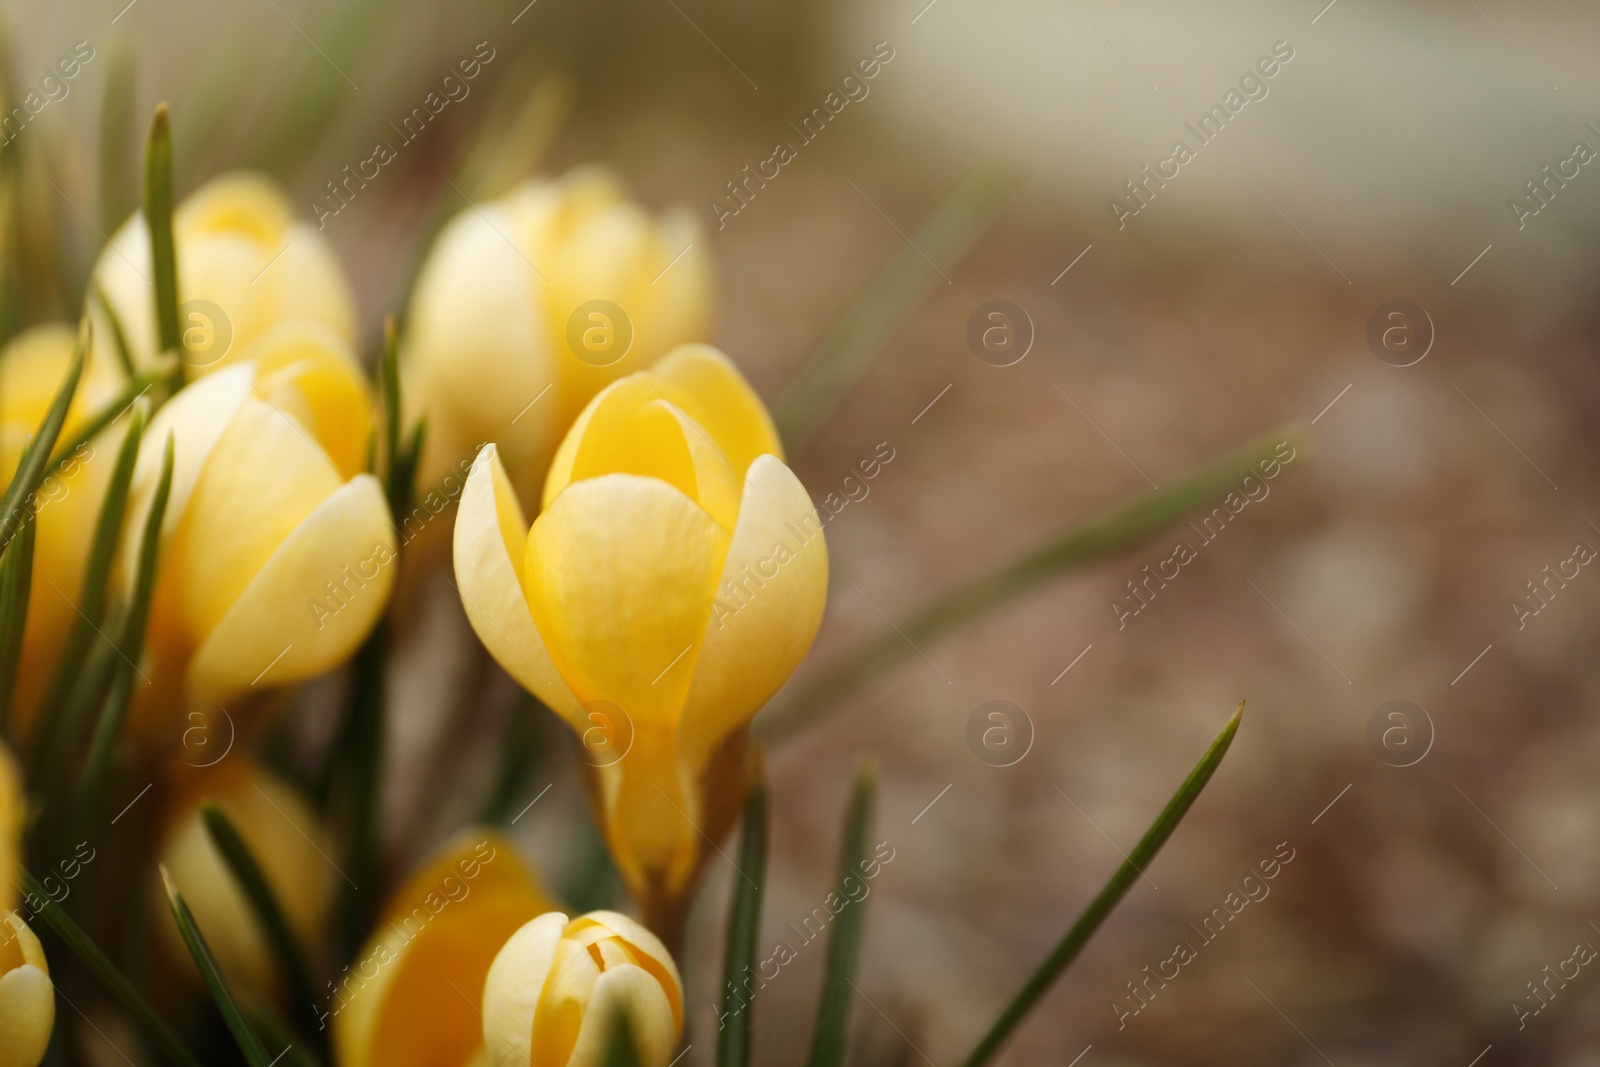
829 1040
848 350
736 1017
243 1033
264 902
389 388
92 596
1109 531
362 759
16 580
130 643
119 336
116 139
156 1031
31 471
86 689
113 410
1088 922
158 217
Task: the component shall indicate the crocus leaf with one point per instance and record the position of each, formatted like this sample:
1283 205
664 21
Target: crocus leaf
1082 543
31 471
1089 921
829 1040
735 1019
158 217
16 581
244 1035
156 1031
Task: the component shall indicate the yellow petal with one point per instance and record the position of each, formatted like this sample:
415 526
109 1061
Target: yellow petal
631 989
27 1000
287 624
620 572
631 428
648 952
706 385
771 592
307 371
490 540
475 318
511 990
558 1016
10 829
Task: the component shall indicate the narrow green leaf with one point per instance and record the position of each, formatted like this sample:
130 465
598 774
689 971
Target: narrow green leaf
264 902
736 1017
1116 528
70 667
158 217
1088 922
16 581
130 645
389 387
156 1031
362 758
119 337
116 139
31 471
86 690
829 1040
848 350
243 1034
136 387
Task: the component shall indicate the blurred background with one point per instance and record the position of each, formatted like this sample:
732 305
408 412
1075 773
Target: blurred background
1443 859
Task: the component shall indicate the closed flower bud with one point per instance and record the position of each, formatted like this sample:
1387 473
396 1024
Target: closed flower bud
278 557
674 580
412 997
530 305
240 251
32 368
284 835
27 1000
554 993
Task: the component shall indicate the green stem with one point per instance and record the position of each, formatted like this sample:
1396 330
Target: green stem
829 1040
736 1017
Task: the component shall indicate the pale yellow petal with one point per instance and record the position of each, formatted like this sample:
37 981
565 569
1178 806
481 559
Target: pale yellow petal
490 540
631 989
511 990
308 372
311 603
770 597
620 572
649 953
27 999
706 385
559 1016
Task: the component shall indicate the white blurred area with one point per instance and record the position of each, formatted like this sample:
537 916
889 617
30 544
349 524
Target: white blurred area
1395 126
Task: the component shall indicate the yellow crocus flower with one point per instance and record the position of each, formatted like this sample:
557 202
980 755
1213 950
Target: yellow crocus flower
413 995
287 840
674 580
554 992
528 305
27 999
240 251
278 554
32 368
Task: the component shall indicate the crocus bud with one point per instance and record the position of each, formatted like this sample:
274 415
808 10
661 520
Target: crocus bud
413 995
32 368
555 990
287 840
674 580
277 555
245 265
27 1000
548 293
